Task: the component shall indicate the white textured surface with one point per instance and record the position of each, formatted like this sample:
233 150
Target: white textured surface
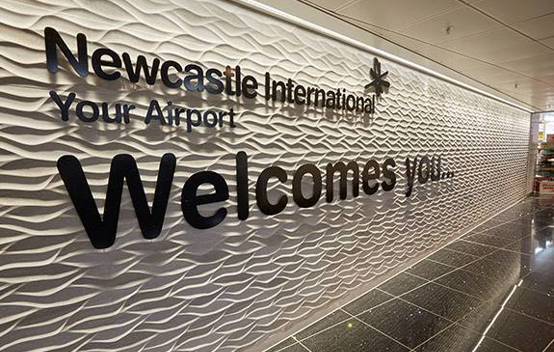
231 286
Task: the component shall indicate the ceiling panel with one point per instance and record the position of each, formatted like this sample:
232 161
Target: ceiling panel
497 46
434 52
549 42
495 42
548 78
331 4
538 28
536 66
492 74
396 14
512 11
461 22
525 85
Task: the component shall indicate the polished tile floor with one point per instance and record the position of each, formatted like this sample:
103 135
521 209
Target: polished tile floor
490 291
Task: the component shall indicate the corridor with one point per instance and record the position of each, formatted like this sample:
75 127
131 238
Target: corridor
490 291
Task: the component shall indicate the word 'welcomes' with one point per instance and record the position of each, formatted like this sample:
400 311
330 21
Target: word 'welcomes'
102 230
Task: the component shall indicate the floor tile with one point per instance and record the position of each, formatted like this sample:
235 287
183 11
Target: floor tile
295 348
490 345
540 282
543 220
544 226
282 345
459 339
476 285
471 248
367 301
451 258
486 239
526 245
532 245
499 272
429 270
401 284
541 276
330 320
541 201
482 228
519 210
532 303
507 217
479 319
495 221
352 336
523 333
443 301
511 231
405 322
505 257
543 259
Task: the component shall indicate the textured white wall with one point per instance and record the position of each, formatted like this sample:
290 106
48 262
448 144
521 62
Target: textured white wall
230 287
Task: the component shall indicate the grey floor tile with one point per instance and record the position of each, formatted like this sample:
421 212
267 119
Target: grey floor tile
352 336
543 282
490 345
429 270
405 322
529 245
459 339
489 224
521 332
449 304
546 230
541 277
475 285
508 258
487 239
471 248
544 259
525 245
532 303
515 213
295 348
282 345
367 301
500 272
401 284
330 320
480 318
451 258
511 231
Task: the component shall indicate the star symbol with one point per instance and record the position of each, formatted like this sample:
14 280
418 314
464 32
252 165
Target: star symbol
378 85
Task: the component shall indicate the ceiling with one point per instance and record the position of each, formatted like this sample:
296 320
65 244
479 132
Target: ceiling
507 45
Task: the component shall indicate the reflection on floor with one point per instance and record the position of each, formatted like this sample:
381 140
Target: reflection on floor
492 290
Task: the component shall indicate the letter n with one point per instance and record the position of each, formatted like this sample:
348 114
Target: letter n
52 39
102 232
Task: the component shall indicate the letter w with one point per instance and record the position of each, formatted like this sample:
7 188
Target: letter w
102 232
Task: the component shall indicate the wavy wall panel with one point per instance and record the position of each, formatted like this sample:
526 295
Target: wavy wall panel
231 287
